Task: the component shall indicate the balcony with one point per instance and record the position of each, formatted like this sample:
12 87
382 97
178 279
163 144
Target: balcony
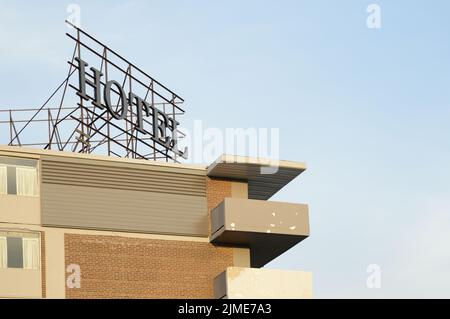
267 228
253 283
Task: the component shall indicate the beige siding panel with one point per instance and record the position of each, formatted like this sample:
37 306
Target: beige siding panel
133 197
123 210
136 177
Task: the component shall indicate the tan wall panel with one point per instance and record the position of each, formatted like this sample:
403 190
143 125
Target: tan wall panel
20 209
54 264
20 283
239 189
241 257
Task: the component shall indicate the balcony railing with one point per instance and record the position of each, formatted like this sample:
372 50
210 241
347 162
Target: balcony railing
254 283
267 228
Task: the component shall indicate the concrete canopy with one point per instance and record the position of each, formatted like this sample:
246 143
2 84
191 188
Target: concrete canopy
265 176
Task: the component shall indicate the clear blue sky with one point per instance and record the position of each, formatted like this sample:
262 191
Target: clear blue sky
368 110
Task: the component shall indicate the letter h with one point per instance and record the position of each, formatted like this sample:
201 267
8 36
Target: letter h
95 84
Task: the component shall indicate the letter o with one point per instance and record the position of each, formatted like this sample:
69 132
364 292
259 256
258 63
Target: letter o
123 98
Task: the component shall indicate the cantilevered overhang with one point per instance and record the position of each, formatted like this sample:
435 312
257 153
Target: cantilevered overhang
265 177
268 228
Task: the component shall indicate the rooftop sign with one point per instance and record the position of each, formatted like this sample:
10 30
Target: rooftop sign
116 108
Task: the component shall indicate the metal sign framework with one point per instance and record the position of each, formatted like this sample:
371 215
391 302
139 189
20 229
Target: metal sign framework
88 128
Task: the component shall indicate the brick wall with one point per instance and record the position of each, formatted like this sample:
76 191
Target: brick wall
44 285
120 267
216 191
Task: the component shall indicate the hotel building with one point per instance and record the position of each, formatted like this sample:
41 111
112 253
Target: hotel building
91 226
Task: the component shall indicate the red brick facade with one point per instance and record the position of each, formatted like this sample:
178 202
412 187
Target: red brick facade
44 286
121 267
216 191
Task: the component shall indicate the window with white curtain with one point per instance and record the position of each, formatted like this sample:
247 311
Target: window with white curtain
30 253
3 253
3 179
19 250
26 181
18 176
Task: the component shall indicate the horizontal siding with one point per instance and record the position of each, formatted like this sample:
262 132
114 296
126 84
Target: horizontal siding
123 210
126 178
131 197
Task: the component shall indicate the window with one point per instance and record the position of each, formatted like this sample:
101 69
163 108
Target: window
30 253
18 176
26 181
19 250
